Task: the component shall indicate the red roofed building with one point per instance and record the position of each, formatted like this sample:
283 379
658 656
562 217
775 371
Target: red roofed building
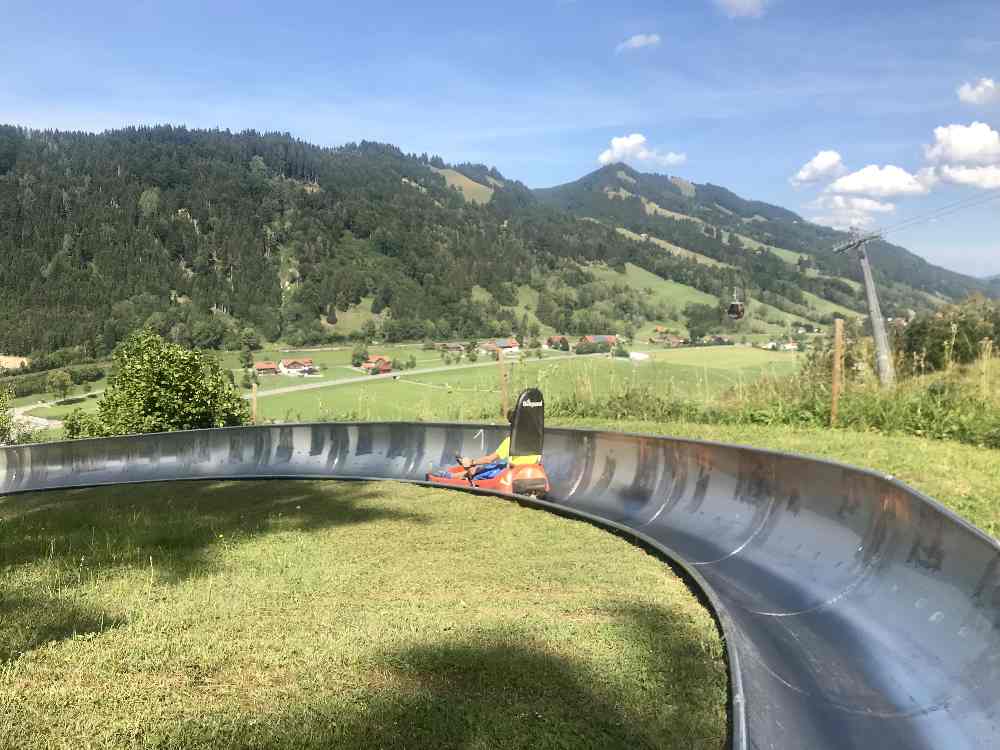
296 367
610 340
377 363
265 368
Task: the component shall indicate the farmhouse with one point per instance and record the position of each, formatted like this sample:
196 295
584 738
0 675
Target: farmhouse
265 368
506 344
296 367
609 339
377 364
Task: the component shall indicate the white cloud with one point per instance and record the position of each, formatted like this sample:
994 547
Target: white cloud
638 41
977 143
985 91
841 212
987 178
883 182
634 148
822 166
743 8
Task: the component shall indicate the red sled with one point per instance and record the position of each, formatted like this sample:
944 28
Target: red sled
523 479
527 431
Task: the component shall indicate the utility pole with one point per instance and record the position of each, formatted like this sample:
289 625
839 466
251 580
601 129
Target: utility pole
883 357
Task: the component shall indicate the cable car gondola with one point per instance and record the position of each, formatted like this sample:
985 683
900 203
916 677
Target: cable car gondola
737 309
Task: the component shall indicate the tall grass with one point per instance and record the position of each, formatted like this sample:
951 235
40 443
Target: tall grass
961 404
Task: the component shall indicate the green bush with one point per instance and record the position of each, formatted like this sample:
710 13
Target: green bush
359 354
6 414
597 347
160 387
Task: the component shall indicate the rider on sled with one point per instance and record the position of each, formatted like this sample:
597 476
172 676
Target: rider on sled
490 465
516 465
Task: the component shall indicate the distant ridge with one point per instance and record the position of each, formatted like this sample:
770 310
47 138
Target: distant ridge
210 237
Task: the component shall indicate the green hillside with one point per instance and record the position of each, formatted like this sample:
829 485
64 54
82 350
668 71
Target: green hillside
712 221
214 238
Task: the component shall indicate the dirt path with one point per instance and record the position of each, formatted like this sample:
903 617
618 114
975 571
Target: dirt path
21 416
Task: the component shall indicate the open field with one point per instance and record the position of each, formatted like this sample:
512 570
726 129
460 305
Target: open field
12 363
79 391
459 393
353 319
340 615
672 248
962 477
671 292
463 393
470 189
826 307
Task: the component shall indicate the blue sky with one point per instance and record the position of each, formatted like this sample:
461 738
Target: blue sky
742 93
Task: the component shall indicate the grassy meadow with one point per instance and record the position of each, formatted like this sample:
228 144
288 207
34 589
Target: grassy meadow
323 615
464 393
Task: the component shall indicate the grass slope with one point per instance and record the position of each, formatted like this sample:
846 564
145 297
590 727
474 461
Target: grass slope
471 190
672 292
353 319
671 248
340 615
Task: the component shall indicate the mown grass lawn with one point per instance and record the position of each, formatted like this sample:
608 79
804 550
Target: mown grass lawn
322 614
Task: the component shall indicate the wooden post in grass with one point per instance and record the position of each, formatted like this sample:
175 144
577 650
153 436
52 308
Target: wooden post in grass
504 395
253 403
838 368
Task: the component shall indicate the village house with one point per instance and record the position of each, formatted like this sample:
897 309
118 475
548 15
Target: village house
609 339
296 367
506 345
377 364
265 368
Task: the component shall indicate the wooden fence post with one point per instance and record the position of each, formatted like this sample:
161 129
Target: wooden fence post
504 396
253 403
838 368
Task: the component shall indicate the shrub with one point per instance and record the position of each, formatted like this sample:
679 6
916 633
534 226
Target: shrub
6 414
359 354
160 387
59 382
598 347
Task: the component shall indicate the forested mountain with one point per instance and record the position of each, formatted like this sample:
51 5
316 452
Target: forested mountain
205 234
712 220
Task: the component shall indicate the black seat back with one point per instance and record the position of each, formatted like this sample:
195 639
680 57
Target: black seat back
527 431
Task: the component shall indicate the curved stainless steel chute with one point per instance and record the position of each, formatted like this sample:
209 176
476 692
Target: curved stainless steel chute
857 612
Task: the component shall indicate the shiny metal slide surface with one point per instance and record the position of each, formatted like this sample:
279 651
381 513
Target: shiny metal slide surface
857 613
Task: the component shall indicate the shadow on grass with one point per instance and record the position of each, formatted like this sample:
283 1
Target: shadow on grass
28 621
74 537
504 689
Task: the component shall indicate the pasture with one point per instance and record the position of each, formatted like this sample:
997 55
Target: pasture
465 393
